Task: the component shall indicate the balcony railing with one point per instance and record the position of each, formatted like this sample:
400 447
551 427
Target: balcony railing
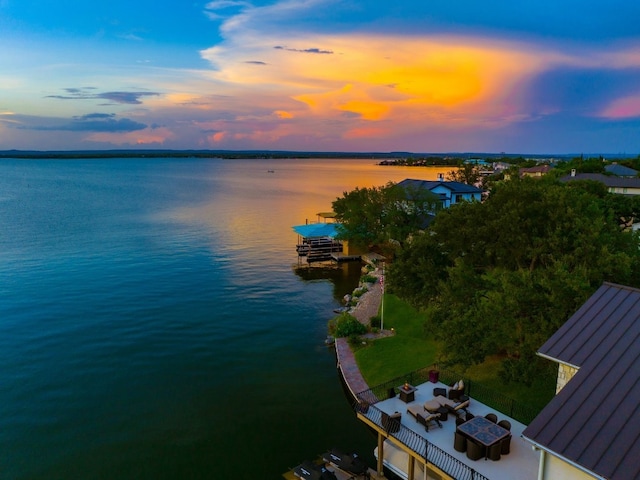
510 407
422 447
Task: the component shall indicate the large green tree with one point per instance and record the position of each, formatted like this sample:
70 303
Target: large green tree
500 277
383 215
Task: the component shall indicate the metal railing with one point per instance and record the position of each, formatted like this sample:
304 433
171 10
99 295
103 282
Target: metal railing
503 404
420 446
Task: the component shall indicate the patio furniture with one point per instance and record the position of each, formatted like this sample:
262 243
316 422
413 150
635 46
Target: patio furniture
492 417
454 406
506 424
483 431
424 416
391 423
407 393
505 445
459 442
493 452
475 451
438 391
456 390
444 413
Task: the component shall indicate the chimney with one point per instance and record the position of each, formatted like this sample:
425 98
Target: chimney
573 172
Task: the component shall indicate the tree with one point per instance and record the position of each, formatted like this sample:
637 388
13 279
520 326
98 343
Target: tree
383 215
466 173
500 277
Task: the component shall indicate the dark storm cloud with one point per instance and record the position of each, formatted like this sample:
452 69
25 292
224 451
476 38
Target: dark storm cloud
130 98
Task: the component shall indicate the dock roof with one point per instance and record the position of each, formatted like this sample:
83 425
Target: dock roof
317 230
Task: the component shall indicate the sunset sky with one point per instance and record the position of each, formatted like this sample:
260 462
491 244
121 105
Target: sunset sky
321 75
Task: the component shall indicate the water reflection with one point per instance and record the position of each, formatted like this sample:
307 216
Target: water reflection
343 276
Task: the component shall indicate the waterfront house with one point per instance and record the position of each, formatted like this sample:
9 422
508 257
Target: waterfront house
449 193
591 428
422 449
536 172
614 184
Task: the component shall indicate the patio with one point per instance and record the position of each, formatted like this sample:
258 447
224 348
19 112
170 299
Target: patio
438 443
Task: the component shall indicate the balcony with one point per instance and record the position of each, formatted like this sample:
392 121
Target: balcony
435 447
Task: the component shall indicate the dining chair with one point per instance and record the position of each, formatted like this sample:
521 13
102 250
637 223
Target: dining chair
492 417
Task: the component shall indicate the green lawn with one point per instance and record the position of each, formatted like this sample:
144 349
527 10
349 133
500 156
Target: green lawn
412 348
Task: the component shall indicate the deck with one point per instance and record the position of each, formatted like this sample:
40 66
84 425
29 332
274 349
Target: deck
520 464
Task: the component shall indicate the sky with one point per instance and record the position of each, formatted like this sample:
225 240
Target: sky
321 75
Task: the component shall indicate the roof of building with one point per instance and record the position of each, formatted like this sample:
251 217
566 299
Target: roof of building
317 230
608 180
536 169
594 421
455 187
620 170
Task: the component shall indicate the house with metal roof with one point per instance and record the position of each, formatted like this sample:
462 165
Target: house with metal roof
620 170
537 171
449 193
614 184
591 428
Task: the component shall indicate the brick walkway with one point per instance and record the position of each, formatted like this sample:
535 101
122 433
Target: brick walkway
367 307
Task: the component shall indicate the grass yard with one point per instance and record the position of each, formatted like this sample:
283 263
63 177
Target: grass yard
413 348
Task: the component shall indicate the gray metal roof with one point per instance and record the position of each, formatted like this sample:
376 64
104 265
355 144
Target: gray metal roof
620 170
455 187
594 421
608 180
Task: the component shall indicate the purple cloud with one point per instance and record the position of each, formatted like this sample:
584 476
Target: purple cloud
94 122
129 98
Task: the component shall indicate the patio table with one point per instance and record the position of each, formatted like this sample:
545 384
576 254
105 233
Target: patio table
484 431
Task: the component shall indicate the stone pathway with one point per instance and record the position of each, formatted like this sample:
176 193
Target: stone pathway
366 308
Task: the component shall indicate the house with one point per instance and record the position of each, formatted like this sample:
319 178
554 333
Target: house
449 193
614 184
591 428
620 170
537 171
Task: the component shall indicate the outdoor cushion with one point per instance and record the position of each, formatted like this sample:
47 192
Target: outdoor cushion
432 405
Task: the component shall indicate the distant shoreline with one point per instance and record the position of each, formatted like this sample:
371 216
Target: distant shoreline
252 154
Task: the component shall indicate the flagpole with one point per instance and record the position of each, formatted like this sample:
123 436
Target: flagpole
382 300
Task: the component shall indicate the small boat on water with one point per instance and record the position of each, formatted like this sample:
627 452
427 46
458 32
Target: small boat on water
309 470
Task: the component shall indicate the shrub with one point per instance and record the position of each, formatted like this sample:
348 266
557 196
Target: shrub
358 292
354 340
375 321
368 279
345 325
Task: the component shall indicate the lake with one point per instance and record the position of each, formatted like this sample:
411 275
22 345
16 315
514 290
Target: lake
155 323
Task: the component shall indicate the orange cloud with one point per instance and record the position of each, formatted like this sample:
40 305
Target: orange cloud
404 79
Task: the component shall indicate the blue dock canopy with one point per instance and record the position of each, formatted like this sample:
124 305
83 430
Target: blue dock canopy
316 230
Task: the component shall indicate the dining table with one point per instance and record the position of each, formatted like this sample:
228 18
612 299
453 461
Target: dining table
483 431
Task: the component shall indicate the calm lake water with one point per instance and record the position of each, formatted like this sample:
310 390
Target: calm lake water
154 325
